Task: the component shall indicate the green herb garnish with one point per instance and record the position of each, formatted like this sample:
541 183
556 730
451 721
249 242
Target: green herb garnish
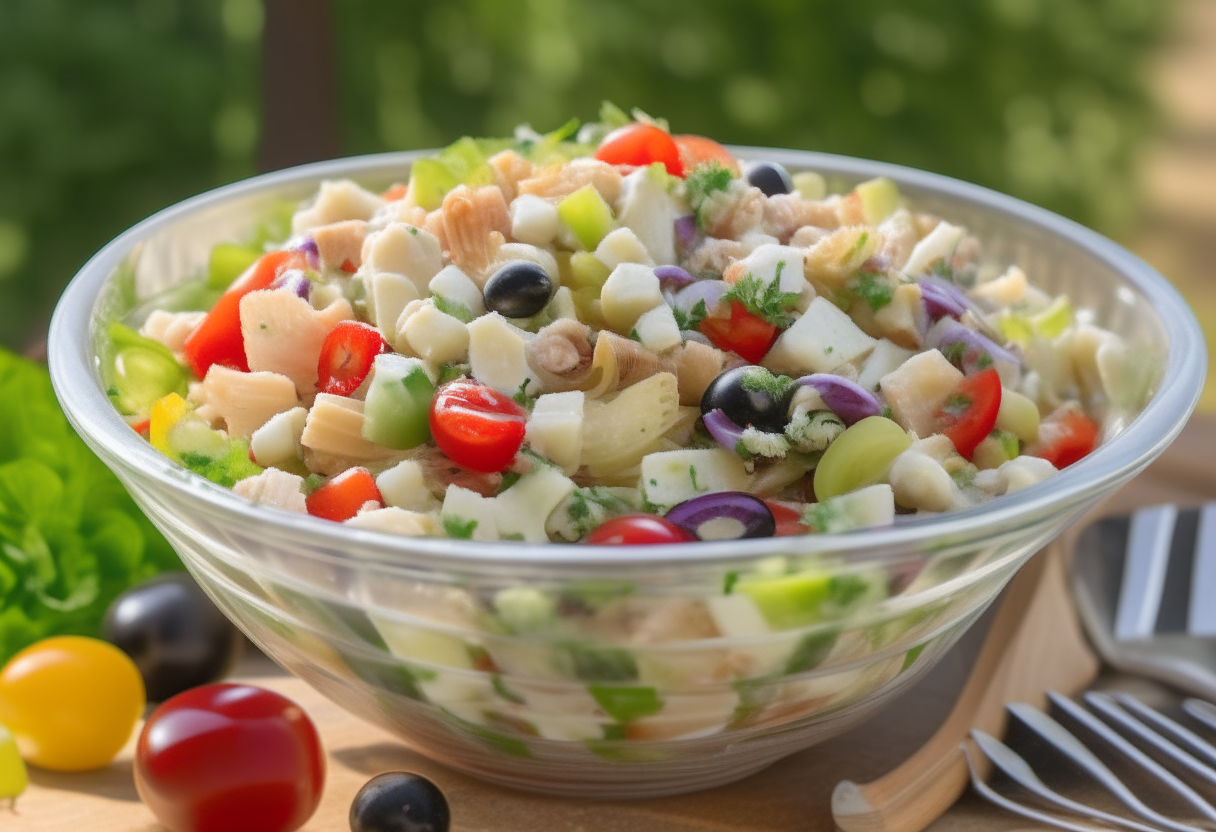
873 289
764 300
456 526
456 309
760 380
703 182
690 320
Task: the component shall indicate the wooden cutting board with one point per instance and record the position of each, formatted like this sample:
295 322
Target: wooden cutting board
793 794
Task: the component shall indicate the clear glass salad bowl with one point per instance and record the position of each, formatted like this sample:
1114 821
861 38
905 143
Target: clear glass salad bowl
618 693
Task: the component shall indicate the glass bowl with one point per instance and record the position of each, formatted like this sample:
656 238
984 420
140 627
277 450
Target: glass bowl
655 673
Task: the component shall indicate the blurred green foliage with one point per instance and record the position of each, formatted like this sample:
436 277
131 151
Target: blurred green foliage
110 109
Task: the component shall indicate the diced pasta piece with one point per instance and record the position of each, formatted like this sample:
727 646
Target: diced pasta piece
618 433
277 442
335 428
534 220
830 263
406 250
476 223
273 487
336 201
171 328
562 180
284 334
246 401
509 169
622 246
340 244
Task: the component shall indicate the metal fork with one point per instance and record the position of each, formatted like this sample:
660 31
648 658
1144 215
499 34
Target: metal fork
1148 726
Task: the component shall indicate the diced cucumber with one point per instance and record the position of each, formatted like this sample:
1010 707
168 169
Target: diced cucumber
139 371
525 609
625 704
396 412
1052 321
587 215
587 272
863 508
790 600
226 263
1018 415
995 449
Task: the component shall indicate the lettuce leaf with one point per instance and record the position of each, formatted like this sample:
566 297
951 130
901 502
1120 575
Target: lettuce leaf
71 538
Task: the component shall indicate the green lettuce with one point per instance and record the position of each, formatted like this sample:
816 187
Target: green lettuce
71 538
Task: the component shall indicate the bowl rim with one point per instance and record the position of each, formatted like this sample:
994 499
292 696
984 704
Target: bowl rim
73 370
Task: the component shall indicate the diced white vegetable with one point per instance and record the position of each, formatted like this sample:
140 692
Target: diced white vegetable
1005 290
767 260
920 482
1025 471
336 201
562 305
671 477
650 212
622 246
918 389
864 508
273 487
284 334
462 507
820 341
657 329
629 291
171 328
555 428
886 358
524 507
405 250
454 285
496 354
435 336
278 441
532 254
736 616
403 486
247 400
387 295
393 520
534 220
937 245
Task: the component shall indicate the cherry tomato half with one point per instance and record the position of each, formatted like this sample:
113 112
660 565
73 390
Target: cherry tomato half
342 497
970 415
638 530
789 521
347 355
641 144
230 758
744 333
695 150
71 702
1065 437
476 426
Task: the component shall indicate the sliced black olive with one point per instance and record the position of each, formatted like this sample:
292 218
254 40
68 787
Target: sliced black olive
750 396
519 289
770 177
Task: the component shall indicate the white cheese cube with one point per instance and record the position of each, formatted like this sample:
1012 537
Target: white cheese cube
497 354
387 295
736 615
818 342
435 336
278 441
404 486
336 201
622 246
273 487
629 291
469 514
658 330
562 305
406 250
887 357
918 389
524 507
939 244
454 285
555 428
534 220
671 477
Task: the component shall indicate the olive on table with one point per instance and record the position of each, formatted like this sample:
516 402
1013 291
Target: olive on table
174 634
399 802
770 177
519 289
749 396
724 515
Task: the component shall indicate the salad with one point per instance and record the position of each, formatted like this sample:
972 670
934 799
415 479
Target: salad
617 335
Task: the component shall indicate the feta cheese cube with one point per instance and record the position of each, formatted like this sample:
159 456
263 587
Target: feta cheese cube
435 336
404 486
555 428
534 220
278 441
671 477
886 357
406 250
629 291
523 508
336 201
497 354
818 342
387 295
918 389
454 285
469 513
622 246
657 329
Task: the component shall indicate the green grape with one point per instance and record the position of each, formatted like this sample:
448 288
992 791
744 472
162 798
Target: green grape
860 456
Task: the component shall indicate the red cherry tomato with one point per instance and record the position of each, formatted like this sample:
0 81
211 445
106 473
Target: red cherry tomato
1065 437
641 144
970 415
789 521
744 333
230 758
347 355
217 339
638 530
342 497
695 150
476 426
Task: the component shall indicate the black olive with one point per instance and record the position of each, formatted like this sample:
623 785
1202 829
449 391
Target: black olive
399 802
770 177
174 634
749 396
519 289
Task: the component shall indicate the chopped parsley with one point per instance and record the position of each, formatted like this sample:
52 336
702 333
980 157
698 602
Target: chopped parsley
692 319
508 479
521 396
500 687
456 526
760 380
692 475
456 309
764 300
964 476
703 182
828 350
112 392
858 247
984 361
633 335
887 413
873 289
452 371
413 230
312 482
821 516
518 536
954 351
729 581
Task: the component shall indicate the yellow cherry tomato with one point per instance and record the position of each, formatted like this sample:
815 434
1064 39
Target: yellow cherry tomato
71 702
13 776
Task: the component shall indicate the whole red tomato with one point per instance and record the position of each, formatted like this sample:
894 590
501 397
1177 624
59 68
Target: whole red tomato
230 758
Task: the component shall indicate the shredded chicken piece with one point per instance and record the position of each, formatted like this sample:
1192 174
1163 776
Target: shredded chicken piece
510 169
714 255
786 213
475 224
439 472
561 355
340 243
556 181
745 213
899 237
434 224
807 236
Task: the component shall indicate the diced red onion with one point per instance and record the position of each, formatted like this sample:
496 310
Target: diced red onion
710 291
295 281
673 278
847 399
686 231
979 352
308 246
724 515
723 429
940 301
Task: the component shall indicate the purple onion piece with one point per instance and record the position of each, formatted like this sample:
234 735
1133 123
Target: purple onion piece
673 278
939 303
847 399
312 254
710 291
973 351
724 515
295 281
686 231
724 431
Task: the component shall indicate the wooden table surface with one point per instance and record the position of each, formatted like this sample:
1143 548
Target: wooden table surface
794 794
